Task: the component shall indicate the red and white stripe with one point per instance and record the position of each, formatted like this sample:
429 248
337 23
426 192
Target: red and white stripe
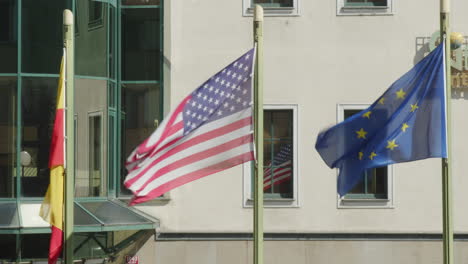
168 159
280 175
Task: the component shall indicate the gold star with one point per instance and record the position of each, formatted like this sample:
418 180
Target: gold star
361 133
404 127
381 101
372 155
367 114
360 155
414 107
391 144
400 94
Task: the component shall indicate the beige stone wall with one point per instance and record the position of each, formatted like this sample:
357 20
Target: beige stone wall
300 252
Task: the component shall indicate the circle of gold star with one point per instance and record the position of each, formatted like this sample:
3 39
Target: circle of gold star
372 155
404 127
391 144
400 94
367 114
361 133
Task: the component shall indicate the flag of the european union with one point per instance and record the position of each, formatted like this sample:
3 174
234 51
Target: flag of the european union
406 123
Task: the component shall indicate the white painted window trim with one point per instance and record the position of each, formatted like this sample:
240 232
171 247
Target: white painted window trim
247 167
341 10
247 9
343 202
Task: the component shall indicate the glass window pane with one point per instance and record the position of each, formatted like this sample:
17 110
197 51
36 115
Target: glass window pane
8 246
140 44
112 42
82 218
91 110
141 114
38 112
96 180
91 42
9 213
95 11
91 245
273 3
112 214
112 154
282 124
278 173
267 128
7 136
8 36
141 2
35 246
366 3
42 42
278 159
377 181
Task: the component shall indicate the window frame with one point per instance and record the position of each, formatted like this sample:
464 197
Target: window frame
364 202
104 185
247 168
356 10
247 9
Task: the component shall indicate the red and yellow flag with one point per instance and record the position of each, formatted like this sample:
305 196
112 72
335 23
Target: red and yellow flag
52 207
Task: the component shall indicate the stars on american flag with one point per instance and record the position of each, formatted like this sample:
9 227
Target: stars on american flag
224 94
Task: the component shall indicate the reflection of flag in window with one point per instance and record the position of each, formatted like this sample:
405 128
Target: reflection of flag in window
280 169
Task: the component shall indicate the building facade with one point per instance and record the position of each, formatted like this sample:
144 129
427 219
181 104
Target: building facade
135 61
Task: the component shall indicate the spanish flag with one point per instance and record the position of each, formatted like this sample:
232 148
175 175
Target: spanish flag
52 207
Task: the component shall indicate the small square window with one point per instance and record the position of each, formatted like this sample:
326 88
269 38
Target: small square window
375 189
365 7
272 7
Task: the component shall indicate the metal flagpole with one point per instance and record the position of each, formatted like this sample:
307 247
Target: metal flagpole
70 136
446 162
258 132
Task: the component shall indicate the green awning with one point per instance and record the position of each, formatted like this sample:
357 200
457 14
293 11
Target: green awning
90 216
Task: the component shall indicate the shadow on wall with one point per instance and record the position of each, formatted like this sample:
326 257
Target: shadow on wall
459 74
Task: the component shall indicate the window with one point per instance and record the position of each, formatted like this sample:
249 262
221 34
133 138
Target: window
140 117
273 7
96 182
279 163
375 189
94 14
362 3
364 7
8 41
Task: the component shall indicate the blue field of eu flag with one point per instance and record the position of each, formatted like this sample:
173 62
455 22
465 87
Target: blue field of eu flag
406 123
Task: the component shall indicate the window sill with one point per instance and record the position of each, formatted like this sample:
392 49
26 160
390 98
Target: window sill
274 203
365 11
364 203
274 11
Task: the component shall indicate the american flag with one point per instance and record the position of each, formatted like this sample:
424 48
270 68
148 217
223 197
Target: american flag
280 169
209 131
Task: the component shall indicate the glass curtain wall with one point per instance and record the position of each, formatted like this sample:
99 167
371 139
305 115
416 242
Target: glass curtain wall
118 96
141 72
